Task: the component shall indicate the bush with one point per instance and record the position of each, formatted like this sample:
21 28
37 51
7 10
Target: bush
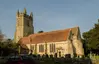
67 56
51 56
38 56
55 55
46 55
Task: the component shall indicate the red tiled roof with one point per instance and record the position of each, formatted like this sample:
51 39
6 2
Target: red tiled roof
53 36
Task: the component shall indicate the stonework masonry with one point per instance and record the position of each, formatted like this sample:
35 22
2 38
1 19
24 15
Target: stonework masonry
24 25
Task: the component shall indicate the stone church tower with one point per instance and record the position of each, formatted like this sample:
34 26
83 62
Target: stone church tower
24 25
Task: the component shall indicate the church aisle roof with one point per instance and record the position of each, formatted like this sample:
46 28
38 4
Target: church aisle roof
24 40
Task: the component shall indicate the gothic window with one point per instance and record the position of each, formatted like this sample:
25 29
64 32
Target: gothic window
41 48
52 47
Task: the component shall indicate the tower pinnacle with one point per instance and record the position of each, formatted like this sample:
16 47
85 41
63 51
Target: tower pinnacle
17 12
31 14
25 12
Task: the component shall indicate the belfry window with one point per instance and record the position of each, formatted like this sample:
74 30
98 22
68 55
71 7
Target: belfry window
28 23
19 23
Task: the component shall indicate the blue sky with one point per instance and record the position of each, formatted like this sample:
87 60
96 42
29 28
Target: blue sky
50 15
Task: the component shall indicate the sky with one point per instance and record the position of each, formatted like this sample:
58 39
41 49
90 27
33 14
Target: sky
50 15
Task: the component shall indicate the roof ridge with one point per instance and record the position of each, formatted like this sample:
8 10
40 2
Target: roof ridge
52 31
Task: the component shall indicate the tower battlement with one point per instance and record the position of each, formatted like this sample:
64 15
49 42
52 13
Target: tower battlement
24 14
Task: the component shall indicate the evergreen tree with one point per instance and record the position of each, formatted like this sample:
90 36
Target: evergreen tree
1 36
40 31
91 39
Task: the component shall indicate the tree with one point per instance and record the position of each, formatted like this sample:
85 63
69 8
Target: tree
86 50
40 31
91 38
8 47
1 36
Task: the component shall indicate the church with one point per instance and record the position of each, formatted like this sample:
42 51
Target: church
60 42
